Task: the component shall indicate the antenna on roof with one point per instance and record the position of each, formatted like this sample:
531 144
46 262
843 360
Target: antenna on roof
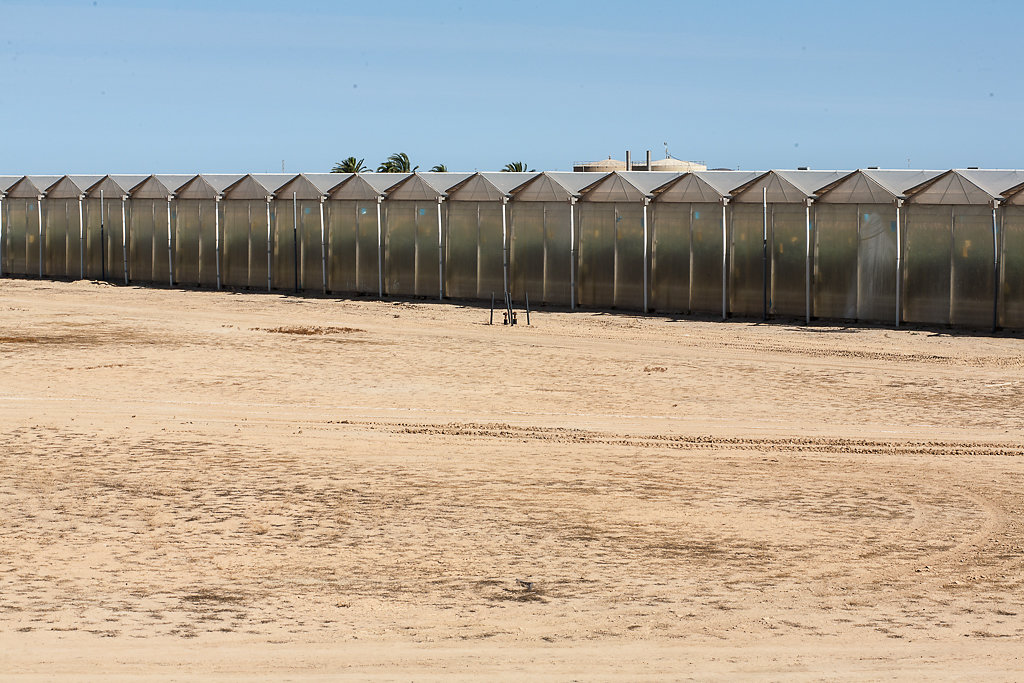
282 165
667 155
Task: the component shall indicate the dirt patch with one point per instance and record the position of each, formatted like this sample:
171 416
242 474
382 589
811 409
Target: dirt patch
308 330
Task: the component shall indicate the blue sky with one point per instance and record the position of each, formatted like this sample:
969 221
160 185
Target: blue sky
114 86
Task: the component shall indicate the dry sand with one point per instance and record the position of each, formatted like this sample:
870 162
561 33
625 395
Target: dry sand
262 487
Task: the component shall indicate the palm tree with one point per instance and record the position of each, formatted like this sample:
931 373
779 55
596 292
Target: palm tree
439 168
397 163
517 167
349 165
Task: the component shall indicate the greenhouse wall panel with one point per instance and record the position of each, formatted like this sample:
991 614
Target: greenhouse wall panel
669 224
973 274
705 286
835 260
1011 275
876 262
927 256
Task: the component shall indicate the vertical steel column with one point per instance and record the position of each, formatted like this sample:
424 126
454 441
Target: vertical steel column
323 244
295 237
81 238
899 264
440 253
39 205
270 198
103 242
124 235
764 255
572 253
725 262
504 241
995 267
170 253
807 259
216 235
380 252
2 196
647 200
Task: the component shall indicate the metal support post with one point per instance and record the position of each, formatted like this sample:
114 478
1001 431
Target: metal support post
39 205
2 196
103 241
216 235
440 253
323 244
995 267
270 270
572 253
899 264
764 254
81 238
295 238
380 252
725 252
504 240
124 235
647 201
170 252
807 265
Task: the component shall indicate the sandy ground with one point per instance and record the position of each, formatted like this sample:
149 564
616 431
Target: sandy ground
202 485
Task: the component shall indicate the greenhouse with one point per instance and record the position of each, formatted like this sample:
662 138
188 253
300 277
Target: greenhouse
689 241
889 246
543 240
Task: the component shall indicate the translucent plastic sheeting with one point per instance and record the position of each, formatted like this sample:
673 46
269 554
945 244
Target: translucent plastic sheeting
928 231
427 248
876 262
972 296
669 225
352 246
705 258
540 251
187 219
1011 269
835 260
285 256
60 238
746 286
474 250
297 260
527 247
596 277
311 251
21 230
463 250
490 274
147 233
209 251
244 247
629 256
401 246
104 256
787 235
